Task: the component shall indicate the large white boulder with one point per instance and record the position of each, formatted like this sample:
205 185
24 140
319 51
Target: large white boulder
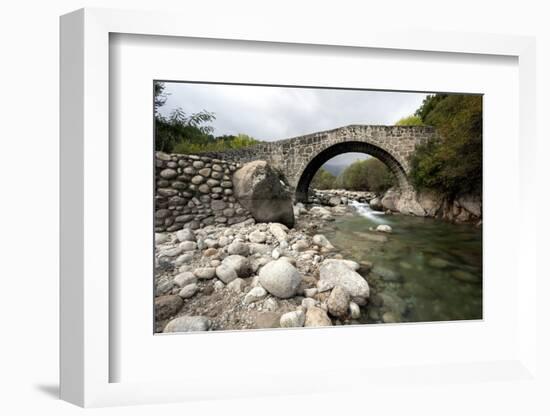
168 305
279 231
161 238
257 236
240 264
280 278
205 272
238 247
293 319
188 291
322 241
317 317
226 273
350 264
384 228
338 302
338 274
185 235
185 278
255 294
188 324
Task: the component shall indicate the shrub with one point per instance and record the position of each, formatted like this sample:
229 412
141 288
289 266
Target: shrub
410 121
214 144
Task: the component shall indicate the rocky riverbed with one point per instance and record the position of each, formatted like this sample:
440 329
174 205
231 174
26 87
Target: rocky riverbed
252 275
334 197
461 209
258 275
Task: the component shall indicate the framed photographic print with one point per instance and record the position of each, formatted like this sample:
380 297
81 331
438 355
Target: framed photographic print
245 226
299 203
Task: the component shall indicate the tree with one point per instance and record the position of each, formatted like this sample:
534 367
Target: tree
159 94
379 177
428 104
190 133
366 175
354 177
323 179
179 128
453 163
412 120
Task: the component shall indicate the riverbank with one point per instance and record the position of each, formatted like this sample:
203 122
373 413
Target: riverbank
464 209
257 275
334 197
264 275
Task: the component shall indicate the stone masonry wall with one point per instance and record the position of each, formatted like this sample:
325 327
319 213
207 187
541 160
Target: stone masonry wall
194 191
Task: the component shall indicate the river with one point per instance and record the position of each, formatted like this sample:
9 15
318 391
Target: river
425 270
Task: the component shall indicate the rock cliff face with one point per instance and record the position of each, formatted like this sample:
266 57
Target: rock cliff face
405 202
465 208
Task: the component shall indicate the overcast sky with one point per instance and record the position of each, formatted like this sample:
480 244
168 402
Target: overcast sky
275 113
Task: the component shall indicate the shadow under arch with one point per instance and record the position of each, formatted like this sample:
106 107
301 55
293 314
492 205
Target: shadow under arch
302 188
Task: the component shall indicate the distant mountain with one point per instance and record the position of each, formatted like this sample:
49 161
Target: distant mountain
337 164
334 168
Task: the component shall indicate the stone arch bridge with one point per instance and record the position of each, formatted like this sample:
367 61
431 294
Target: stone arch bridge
299 158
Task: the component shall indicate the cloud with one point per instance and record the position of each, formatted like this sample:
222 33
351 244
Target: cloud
275 113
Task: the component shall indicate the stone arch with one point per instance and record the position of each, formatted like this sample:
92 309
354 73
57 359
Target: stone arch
308 172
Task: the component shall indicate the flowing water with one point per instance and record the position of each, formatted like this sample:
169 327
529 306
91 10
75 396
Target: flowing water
425 270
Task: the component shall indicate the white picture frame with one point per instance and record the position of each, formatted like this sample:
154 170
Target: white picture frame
86 356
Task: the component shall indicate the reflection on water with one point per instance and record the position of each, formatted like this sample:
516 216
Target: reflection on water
426 270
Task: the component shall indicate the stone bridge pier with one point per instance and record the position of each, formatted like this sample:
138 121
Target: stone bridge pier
299 158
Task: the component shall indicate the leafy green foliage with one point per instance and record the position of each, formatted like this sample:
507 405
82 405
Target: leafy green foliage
216 144
366 175
410 121
242 140
453 164
323 179
428 104
160 95
180 128
190 133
